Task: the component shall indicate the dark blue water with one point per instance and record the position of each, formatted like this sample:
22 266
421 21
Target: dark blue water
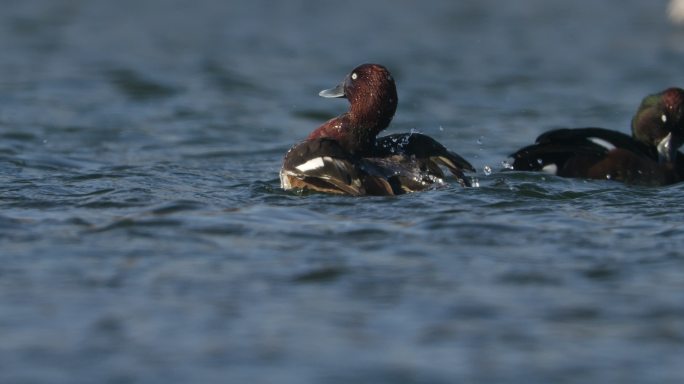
144 237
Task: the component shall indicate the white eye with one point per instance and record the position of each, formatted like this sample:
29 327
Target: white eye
354 76
663 118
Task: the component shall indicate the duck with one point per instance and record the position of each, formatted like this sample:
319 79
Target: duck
345 156
649 157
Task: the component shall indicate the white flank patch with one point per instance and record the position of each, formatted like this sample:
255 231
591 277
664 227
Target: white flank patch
284 181
310 165
550 168
605 144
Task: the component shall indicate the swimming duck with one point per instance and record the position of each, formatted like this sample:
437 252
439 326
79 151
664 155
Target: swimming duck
345 156
649 157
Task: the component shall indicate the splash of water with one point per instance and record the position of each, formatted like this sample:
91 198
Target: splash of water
506 165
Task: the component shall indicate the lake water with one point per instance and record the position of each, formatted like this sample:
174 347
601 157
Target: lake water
144 237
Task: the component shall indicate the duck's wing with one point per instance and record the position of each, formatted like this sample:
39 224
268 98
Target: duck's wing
322 165
403 173
605 138
572 152
427 152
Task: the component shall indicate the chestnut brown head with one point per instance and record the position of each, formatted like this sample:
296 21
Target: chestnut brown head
372 95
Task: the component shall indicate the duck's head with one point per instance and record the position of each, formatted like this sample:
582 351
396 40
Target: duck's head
659 123
372 96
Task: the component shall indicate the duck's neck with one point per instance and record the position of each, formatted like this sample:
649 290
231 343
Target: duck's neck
357 129
346 129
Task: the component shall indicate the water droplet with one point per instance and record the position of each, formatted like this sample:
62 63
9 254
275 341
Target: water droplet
506 165
479 140
608 176
441 129
487 170
540 161
45 141
475 183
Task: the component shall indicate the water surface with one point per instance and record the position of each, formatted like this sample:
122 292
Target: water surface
144 236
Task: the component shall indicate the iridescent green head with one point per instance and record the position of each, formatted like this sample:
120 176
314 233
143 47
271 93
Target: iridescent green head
659 123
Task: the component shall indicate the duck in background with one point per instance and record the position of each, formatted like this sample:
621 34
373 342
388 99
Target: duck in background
345 156
649 157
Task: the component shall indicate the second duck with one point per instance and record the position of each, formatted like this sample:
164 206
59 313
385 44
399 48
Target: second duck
649 157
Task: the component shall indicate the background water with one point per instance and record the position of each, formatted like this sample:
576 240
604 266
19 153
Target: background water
144 237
